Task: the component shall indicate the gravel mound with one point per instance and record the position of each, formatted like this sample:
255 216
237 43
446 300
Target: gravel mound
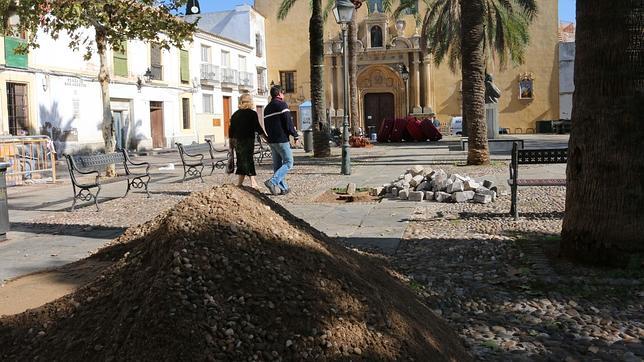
229 275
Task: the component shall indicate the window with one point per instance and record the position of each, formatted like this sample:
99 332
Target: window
205 54
18 110
155 62
261 82
242 63
185 108
184 67
225 59
120 60
287 81
376 37
412 10
207 104
259 46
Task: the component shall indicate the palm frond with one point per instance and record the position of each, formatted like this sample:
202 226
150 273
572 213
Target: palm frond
328 9
284 8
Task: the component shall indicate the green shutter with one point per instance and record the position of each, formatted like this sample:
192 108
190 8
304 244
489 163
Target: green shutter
120 62
11 58
185 70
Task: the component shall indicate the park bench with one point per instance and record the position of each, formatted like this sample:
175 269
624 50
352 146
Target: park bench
195 157
262 150
82 167
531 157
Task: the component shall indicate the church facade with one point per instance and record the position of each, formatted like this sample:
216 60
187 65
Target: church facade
529 92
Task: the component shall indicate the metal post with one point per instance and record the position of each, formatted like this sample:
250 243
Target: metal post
346 159
407 97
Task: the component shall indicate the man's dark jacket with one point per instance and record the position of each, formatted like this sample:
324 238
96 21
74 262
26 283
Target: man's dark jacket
278 122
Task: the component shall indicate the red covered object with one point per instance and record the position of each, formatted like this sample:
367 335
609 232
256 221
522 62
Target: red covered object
385 130
397 133
415 130
430 130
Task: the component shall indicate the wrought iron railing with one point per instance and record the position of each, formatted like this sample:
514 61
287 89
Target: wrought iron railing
229 76
246 79
210 72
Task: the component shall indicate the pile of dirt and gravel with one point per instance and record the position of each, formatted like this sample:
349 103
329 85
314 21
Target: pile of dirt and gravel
229 275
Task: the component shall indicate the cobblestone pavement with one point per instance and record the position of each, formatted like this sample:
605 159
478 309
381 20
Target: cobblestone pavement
499 283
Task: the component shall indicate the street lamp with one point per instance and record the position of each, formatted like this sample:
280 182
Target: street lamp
343 13
404 73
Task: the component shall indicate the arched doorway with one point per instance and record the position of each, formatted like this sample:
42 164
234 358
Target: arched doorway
377 107
382 95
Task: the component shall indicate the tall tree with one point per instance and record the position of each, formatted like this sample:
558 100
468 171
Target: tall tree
321 146
469 34
604 221
112 22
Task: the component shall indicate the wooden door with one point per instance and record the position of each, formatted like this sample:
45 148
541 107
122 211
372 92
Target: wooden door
18 109
227 113
156 124
377 107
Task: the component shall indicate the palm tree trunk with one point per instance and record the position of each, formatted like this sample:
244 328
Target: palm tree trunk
321 146
104 79
353 73
473 73
604 221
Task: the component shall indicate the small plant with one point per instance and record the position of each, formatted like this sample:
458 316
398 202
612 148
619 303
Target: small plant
491 344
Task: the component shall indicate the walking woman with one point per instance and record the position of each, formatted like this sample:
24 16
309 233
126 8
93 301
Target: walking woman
244 123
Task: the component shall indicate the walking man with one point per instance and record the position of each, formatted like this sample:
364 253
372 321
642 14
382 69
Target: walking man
278 124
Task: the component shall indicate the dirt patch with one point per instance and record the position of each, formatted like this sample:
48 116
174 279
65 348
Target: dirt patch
34 290
332 197
229 275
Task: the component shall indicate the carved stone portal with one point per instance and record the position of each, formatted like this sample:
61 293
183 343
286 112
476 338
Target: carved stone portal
380 79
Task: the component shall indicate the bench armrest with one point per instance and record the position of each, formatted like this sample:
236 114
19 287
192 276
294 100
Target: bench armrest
195 155
140 164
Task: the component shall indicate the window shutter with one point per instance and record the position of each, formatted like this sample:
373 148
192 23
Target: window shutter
185 70
11 58
120 62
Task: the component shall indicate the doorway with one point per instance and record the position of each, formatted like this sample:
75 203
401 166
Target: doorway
227 107
377 107
156 124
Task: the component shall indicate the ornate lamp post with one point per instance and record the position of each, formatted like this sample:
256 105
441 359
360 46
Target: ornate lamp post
404 73
343 13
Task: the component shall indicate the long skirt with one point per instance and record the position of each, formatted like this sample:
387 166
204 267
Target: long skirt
244 150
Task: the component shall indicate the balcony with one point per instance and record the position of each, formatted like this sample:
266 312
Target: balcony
230 76
245 80
210 73
262 91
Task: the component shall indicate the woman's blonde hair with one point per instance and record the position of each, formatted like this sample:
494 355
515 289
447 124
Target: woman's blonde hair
246 101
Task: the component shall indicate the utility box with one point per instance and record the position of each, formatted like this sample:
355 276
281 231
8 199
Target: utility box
306 115
4 207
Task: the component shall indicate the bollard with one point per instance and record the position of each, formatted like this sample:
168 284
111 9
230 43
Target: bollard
4 207
308 140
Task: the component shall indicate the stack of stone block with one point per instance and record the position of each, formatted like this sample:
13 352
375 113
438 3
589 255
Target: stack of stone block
420 183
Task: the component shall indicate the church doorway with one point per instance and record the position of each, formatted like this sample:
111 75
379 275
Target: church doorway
377 107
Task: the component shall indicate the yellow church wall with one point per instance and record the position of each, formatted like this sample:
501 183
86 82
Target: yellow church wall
287 50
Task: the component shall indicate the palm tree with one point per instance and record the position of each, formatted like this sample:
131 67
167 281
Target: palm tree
470 33
603 222
321 146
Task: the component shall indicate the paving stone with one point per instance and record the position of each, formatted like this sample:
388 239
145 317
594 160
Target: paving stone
376 191
469 194
423 186
470 185
394 191
416 196
429 195
488 184
351 188
408 177
403 194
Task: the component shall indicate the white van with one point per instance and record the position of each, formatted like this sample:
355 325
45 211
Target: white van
456 126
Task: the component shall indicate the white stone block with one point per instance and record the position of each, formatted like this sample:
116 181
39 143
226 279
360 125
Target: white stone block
394 191
403 194
488 184
423 186
416 195
416 170
469 194
456 186
416 180
459 196
429 195
408 177
482 199
470 185
442 196
351 188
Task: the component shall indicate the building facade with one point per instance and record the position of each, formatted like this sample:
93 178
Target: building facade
158 97
529 91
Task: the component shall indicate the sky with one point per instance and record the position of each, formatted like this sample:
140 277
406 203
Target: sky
566 7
